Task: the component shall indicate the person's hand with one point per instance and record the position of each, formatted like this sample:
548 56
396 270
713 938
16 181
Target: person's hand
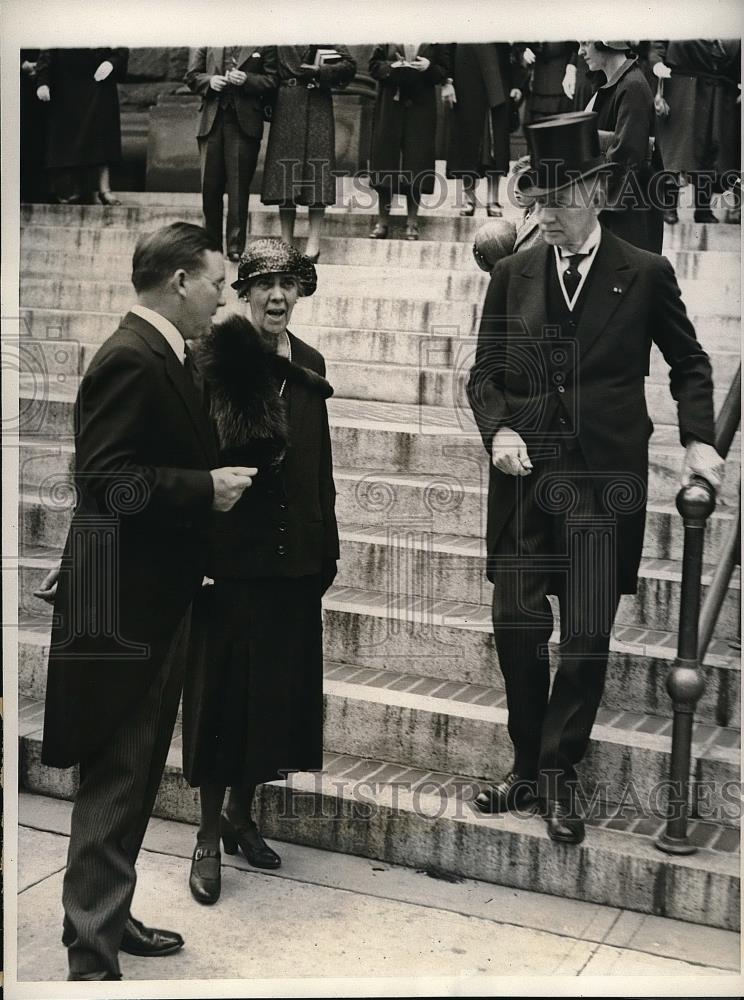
528 56
702 460
738 96
105 69
28 67
661 106
569 81
662 71
48 589
236 77
509 453
398 64
218 82
449 97
42 93
421 64
516 94
230 483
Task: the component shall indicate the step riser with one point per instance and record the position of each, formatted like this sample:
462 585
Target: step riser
709 293
440 576
406 305
396 346
415 386
432 840
635 683
439 228
44 523
378 451
108 252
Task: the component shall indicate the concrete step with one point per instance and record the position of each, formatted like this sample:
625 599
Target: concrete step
460 728
416 301
108 252
412 347
450 568
425 819
437 505
365 277
347 220
368 436
430 385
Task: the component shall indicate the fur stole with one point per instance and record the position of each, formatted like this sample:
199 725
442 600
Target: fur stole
244 379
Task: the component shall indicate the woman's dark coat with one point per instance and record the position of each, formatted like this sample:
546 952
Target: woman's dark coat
402 151
703 130
546 95
624 106
84 128
301 152
484 75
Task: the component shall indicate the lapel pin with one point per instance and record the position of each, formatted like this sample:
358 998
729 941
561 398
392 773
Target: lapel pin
616 290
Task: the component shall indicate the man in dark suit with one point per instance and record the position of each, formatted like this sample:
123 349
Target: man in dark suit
235 83
135 557
557 391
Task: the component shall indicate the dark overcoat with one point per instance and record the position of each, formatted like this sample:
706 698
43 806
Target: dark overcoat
545 96
136 551
633 300
253 688
703 130
624 106
84 128
484 75
301 151
402 150
260 66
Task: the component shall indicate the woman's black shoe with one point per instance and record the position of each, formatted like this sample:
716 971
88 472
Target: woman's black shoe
255 849
205 880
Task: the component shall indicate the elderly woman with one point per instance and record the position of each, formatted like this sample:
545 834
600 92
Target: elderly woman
624 106
253 697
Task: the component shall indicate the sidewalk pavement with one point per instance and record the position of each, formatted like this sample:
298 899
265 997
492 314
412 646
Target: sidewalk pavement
328 915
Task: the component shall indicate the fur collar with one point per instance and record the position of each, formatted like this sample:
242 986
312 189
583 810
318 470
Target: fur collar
244 379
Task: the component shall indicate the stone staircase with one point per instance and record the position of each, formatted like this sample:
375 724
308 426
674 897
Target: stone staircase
414 701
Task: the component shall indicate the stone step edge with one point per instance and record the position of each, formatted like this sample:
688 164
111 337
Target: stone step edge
41 556
498 839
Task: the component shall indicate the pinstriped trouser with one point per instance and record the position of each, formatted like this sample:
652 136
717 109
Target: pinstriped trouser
560 540
118 786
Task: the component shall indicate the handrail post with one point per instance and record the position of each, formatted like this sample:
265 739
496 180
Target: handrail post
685 682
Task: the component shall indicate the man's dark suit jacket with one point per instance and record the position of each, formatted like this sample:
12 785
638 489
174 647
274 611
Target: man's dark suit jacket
260 66
631 301
138 541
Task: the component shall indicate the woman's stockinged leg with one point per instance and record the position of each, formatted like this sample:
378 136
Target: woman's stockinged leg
211 797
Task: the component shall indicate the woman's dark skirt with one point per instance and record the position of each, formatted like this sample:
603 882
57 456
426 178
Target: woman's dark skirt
253 693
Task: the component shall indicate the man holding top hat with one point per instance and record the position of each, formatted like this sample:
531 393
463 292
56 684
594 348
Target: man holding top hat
557 391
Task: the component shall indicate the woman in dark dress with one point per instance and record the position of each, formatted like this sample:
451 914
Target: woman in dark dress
404 127
624 105
84 130
485 81
253 695
546 63
301 153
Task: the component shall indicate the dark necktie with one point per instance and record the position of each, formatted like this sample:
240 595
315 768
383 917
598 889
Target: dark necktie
193 372
571 276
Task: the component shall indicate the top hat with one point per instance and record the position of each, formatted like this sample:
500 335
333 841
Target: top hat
274 256
563 149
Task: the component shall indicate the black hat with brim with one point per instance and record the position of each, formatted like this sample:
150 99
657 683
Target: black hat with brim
563 149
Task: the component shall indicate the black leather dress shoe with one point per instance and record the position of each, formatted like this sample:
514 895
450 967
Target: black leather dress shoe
705 215
511 792
255 849
149 942
564 826
205 880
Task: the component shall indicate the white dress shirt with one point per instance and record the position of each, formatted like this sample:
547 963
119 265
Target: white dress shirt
164 326
562 263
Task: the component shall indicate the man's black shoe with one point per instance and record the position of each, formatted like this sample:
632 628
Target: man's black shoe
564 826
704 215
148 942
512 792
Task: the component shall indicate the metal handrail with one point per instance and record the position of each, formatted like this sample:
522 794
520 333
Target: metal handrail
685 682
